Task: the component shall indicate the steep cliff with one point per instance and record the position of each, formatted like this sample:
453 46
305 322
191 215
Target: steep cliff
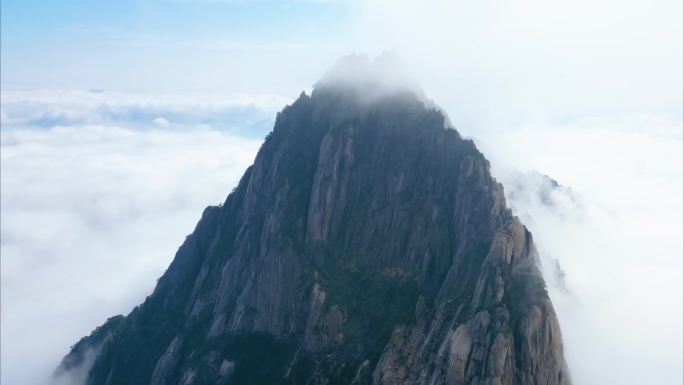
367 244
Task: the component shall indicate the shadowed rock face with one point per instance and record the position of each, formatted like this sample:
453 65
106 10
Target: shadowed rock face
368 244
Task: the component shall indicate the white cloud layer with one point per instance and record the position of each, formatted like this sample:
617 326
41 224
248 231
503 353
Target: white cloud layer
95 204
92 215
616 234
246 115
495 64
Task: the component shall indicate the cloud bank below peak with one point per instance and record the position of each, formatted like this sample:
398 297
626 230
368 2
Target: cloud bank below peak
245 115
609 237
91 216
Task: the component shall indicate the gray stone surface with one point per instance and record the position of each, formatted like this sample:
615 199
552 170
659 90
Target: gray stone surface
368 244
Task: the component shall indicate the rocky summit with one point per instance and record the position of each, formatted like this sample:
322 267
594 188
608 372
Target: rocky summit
367 244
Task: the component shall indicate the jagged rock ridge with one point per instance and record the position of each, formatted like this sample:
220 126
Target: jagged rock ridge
367 244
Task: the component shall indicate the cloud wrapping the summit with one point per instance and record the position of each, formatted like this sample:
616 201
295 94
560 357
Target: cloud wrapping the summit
495 65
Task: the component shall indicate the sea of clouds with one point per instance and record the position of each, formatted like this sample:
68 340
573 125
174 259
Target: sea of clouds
98 189
97 192
609 239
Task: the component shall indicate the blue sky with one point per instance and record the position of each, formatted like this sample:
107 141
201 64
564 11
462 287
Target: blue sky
37 21
142 44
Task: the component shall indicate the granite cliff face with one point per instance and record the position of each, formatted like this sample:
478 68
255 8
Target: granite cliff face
367 244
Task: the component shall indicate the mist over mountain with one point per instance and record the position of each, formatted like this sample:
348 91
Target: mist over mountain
367 244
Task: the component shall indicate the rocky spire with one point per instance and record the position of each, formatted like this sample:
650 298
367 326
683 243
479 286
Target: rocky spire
367 244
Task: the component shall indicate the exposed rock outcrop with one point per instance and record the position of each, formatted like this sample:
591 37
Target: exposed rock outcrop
368 244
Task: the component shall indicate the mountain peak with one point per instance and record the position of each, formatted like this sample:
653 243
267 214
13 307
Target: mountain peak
365 245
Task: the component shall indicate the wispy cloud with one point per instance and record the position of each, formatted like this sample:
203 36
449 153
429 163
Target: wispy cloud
497 65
